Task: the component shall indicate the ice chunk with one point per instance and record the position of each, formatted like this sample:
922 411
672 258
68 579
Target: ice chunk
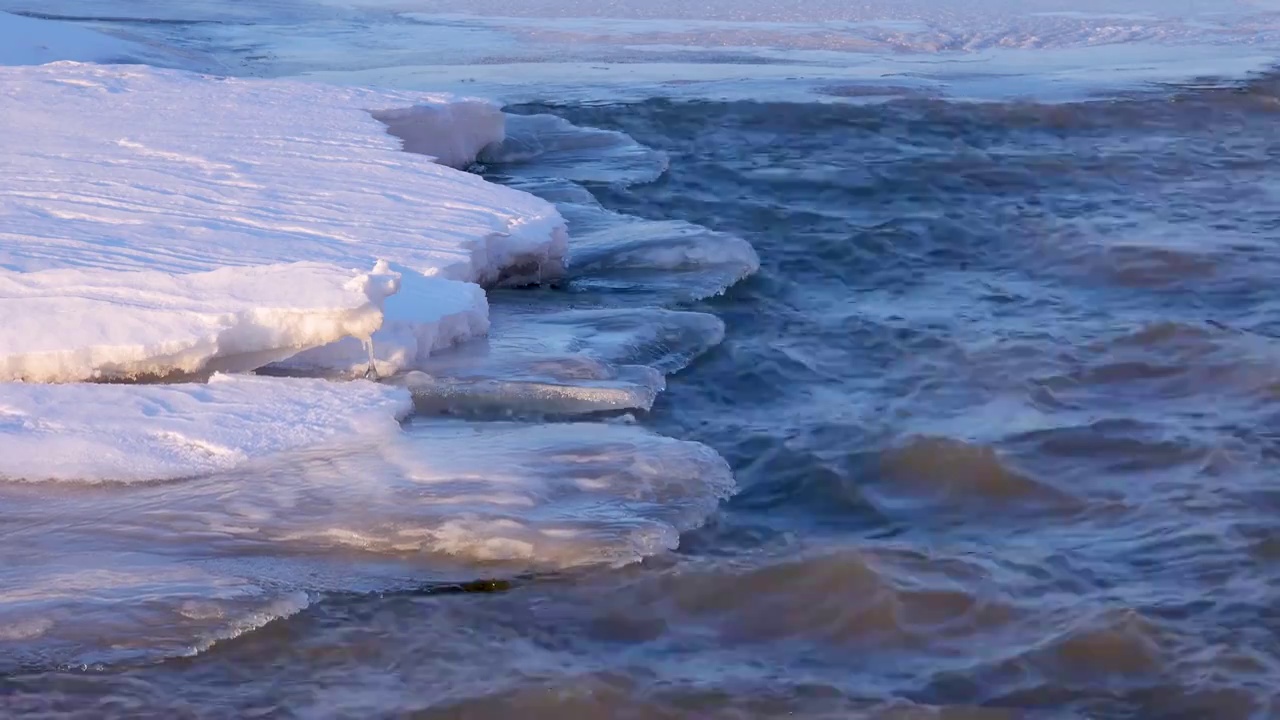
68 325
129 433
664 261
670 260
449 133
666 340
539 361
550 495
426 316
547 388
207 558
253 172
550 146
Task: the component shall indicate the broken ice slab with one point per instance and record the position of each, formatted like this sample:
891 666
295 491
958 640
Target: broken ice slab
207 558
538 361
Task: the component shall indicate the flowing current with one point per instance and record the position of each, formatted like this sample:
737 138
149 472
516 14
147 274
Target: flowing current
1002 407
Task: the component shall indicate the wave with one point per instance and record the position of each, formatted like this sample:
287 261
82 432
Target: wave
955 473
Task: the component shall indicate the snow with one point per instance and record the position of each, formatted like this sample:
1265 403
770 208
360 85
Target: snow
69 325
428 316
93 433
166 171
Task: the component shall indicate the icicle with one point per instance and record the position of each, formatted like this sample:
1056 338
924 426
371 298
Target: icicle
372 372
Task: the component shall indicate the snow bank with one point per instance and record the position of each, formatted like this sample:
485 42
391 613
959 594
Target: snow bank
166 171
68 325
131 433
32 41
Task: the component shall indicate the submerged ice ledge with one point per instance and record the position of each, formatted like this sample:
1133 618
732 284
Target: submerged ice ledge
92 433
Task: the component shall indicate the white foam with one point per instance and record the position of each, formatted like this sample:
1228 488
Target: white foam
130 433
68 325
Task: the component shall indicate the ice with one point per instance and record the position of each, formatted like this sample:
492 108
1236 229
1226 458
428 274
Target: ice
631 51
34 41
549 388
137 572
241 173
428 315
672 260
549 146
118 433
542 359
69 325
249 172
663 261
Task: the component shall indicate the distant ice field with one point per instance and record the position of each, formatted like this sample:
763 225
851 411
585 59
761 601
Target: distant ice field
573 50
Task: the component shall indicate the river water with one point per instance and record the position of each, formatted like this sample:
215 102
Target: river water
1002 405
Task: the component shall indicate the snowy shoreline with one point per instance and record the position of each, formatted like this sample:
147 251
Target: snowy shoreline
172 242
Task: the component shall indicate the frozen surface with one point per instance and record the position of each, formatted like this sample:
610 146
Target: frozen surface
549 146
578 50
540 359
69 325
251 172
427 316
35 41
623 258
208 558
91 433
572 50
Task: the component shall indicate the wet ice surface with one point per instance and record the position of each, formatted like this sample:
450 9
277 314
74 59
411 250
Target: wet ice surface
109 575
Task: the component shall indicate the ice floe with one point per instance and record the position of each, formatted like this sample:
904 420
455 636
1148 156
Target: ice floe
429 315
236 173
207 558
660 261
95 433
168 170
550 146
539 360
69 325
